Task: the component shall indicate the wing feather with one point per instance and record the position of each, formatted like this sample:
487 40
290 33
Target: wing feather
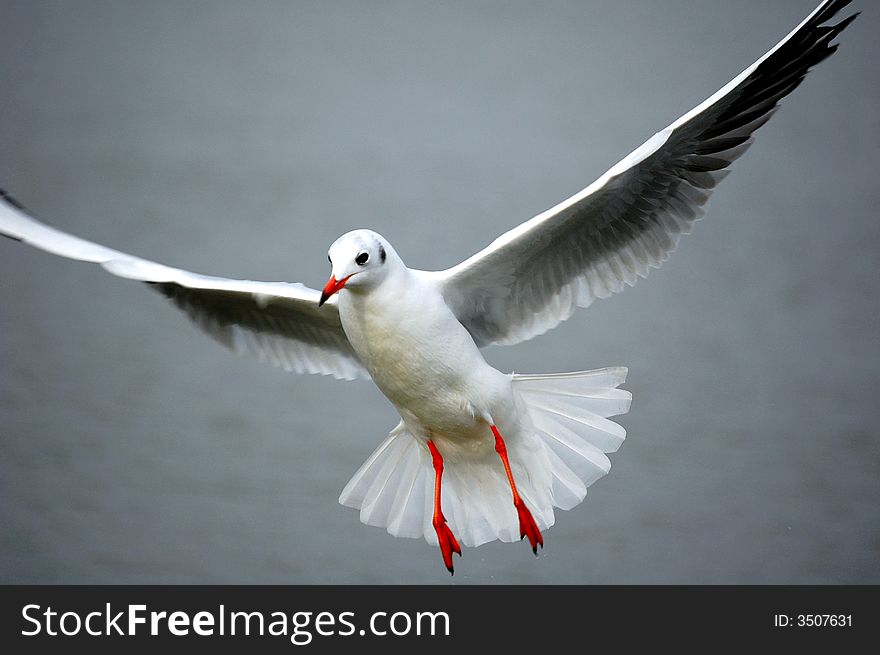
614 231
278 322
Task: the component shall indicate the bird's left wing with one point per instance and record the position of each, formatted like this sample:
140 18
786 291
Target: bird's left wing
629 220
278 322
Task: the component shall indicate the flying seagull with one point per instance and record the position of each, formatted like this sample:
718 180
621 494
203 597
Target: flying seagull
479 454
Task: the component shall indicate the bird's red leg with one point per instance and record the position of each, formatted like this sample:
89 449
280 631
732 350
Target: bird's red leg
448 543
527 526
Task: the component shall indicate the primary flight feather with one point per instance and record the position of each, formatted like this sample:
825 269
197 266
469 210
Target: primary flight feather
479 454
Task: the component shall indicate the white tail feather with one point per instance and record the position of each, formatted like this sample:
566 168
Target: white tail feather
560 450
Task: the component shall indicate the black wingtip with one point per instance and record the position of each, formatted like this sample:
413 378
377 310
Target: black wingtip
829 10
12 201
832 10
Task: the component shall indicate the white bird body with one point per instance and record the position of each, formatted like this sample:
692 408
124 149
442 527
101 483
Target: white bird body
423 359
428 365
418 334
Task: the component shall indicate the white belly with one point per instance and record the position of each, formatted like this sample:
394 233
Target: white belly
425 363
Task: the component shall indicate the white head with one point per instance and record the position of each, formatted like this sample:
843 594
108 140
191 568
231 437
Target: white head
359 259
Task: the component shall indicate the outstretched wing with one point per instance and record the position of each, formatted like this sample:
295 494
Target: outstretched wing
277 321
629 220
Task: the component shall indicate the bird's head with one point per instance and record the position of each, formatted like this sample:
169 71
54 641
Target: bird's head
359 259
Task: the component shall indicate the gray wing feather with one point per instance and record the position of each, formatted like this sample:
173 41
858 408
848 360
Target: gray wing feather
278 322
613 232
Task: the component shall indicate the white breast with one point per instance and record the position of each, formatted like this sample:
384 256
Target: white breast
420 356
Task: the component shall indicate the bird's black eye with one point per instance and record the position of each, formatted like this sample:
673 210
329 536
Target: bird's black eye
329 260
362 258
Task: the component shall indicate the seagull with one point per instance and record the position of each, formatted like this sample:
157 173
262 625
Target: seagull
479 454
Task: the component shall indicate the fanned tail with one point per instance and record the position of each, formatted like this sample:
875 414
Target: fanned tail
569 413
560 450
393 488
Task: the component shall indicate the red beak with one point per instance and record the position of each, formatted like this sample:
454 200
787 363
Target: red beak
333 286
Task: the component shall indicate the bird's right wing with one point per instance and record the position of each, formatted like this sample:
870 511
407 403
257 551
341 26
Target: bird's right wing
277 321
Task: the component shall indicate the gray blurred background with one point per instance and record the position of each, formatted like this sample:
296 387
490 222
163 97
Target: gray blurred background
241 139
